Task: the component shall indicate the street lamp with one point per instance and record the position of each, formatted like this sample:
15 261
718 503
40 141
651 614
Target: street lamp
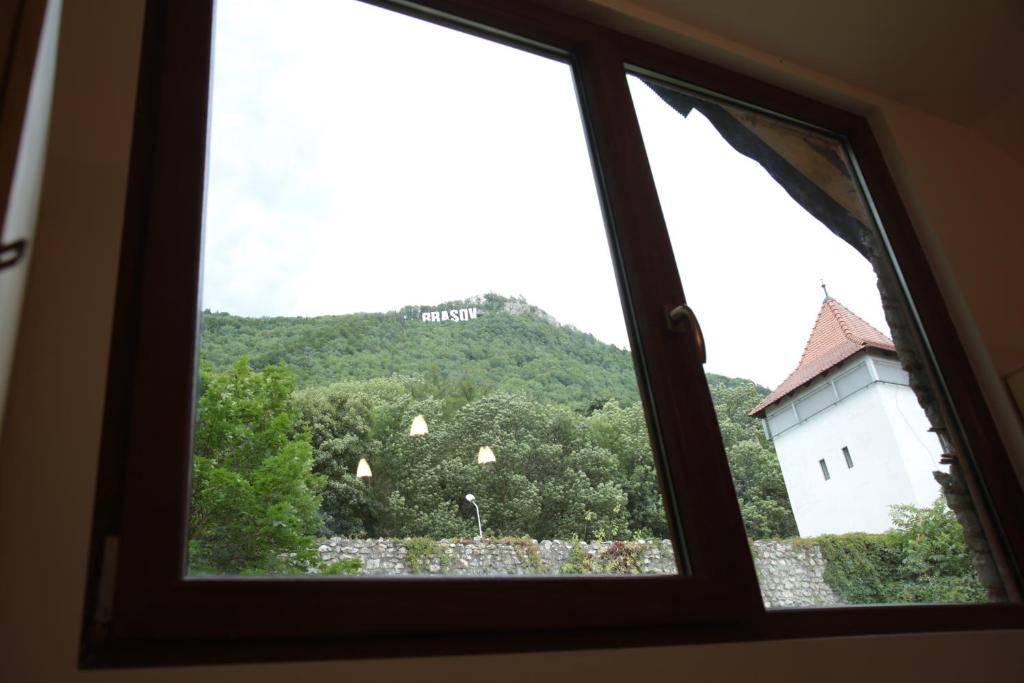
418 427
472 499
485 455
363 469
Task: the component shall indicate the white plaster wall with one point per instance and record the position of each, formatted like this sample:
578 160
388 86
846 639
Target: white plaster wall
919 448
857 498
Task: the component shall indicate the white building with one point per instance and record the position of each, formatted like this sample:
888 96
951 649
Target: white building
850 435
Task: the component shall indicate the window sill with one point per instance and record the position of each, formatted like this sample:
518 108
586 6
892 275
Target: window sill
781 624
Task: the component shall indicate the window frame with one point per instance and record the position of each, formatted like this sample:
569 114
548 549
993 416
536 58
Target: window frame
140 611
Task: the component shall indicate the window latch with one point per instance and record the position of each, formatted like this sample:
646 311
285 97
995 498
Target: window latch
676 316
11 253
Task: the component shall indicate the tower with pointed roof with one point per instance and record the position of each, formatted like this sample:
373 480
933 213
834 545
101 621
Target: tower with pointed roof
851 438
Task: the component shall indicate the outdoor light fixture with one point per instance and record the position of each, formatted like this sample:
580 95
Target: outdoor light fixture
485 455
419 426
472 499
363 469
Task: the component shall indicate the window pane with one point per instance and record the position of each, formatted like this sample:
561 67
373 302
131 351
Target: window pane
413 354
781 261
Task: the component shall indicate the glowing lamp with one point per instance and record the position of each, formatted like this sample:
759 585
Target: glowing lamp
485 455
419 426
363 469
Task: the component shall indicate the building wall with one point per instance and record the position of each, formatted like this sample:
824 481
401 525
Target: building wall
887 434
49 448
919 448
857 498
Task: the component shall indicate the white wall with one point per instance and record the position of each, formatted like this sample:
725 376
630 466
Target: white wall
918 448
891 465
48 452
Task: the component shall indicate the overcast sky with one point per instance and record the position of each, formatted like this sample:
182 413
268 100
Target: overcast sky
364 161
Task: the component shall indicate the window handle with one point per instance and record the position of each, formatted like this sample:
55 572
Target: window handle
11 253
677 316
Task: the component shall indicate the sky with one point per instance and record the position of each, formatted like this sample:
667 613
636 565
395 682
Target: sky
361 161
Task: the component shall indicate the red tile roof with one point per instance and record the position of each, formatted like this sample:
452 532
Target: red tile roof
838 334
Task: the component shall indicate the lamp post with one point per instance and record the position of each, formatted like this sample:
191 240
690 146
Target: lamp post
472 499
363 469
418 426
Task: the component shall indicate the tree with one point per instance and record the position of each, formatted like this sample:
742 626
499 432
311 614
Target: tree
549 482
922 559
559 407
551 479
756 474
255 499
352 420
622 431
935 563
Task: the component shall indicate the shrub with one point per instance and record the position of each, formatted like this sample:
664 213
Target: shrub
421 552
347 567
922 559
620 557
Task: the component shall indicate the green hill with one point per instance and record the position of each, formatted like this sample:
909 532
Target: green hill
510 347
559 407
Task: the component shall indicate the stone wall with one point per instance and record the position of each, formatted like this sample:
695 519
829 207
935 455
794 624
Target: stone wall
791 574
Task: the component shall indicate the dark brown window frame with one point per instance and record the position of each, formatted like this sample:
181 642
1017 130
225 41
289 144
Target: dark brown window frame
140 611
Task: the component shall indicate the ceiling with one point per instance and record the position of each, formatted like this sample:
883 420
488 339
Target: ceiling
958 59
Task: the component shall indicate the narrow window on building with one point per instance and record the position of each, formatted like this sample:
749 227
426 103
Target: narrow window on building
849 460
824 469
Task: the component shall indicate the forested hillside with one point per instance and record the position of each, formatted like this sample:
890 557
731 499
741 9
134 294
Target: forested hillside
298 402
511 347
498 351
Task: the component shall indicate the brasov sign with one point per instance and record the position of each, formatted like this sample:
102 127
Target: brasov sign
454 315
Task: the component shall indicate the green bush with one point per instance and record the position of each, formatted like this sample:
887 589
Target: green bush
255 500
863 568
922 559
620 557
421 552
348 567
526 550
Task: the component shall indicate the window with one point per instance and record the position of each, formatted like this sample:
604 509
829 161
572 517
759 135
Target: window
804 213
142 530
849 460
397 308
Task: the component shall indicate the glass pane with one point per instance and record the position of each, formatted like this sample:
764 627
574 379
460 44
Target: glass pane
413 354
835 460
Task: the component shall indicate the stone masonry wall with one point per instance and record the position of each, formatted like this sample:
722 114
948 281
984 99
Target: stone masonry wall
791 574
